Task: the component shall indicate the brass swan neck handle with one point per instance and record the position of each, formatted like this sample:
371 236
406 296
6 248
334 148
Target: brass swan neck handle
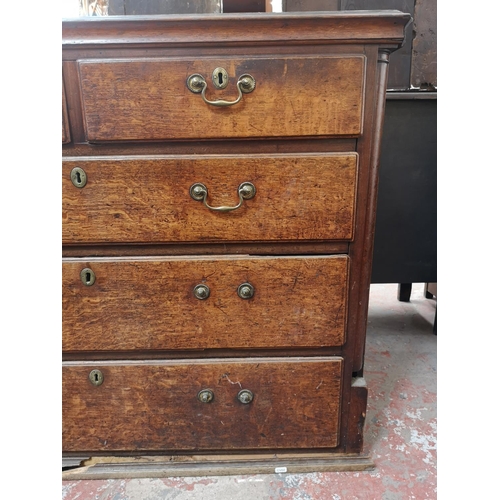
196 83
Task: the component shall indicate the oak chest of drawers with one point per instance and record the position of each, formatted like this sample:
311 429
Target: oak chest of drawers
219 184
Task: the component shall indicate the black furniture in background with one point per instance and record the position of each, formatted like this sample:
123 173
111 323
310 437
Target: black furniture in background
405 248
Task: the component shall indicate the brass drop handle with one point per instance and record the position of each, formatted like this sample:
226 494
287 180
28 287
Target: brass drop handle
199 192
196 83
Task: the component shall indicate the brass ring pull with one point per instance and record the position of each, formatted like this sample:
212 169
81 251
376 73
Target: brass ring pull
196 83
199 192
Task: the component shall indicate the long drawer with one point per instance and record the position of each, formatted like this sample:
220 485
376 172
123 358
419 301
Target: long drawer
138 200
201 405
148 99
170 303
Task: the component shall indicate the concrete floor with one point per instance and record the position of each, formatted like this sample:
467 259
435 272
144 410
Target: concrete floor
400 430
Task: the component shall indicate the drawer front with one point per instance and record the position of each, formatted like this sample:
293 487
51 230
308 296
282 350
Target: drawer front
153 406
297 197
146 304
149 100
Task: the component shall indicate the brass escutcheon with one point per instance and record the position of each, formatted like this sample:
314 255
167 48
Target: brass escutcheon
96 377
245 396
87 276
220 78
78 177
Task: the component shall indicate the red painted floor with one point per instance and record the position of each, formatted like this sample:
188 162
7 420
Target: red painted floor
400 431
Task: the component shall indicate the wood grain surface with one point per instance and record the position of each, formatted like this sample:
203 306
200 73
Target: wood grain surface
151 406
127 250
149 304
66 137
245 31
148 99
308 137
146 200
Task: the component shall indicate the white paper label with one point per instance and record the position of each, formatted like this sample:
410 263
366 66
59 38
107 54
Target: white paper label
280 470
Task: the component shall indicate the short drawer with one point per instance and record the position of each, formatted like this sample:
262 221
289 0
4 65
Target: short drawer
262 403
148 200
202 303
149 100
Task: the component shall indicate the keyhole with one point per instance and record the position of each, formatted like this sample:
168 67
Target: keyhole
87 276
96 377
220 78
78 177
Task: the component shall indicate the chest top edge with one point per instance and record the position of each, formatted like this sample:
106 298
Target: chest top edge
372 27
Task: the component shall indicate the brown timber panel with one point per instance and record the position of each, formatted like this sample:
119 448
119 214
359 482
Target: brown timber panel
424 63
148 304
357 415
65 125
147 99
298 197
153 406
242 32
